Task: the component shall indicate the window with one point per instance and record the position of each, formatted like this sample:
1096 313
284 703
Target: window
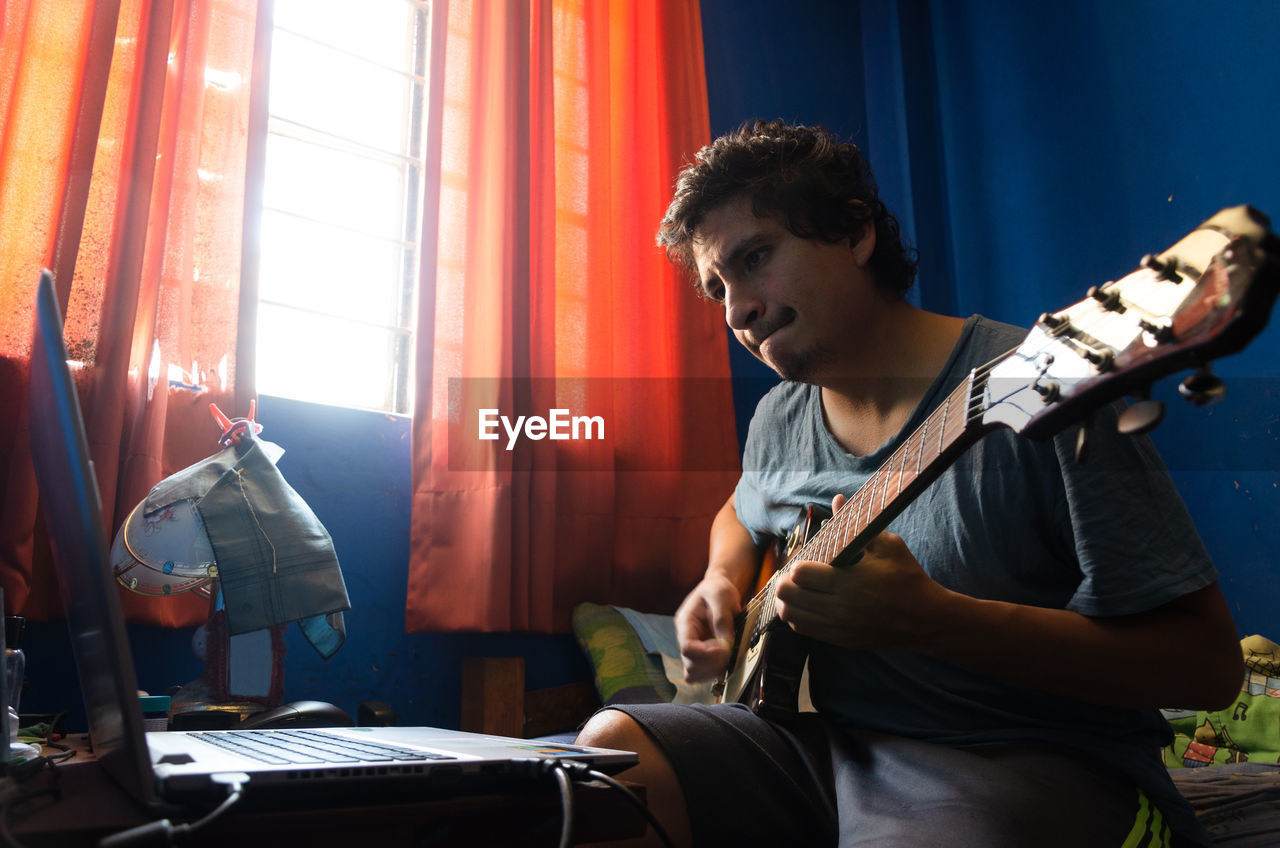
341 202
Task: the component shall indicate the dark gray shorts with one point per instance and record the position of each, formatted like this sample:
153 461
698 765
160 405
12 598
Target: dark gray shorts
748 781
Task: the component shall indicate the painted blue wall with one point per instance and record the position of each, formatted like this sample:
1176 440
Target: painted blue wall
1038 149
1077 137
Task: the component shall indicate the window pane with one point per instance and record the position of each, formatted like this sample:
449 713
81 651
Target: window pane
316 358
313 266
333 187
320 87
342 190
378 30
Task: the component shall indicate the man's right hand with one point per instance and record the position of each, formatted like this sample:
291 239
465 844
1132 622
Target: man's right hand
704 627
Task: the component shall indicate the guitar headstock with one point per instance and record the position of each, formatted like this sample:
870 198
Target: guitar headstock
1205 297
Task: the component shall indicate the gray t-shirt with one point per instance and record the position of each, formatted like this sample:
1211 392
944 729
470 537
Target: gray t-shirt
1010 520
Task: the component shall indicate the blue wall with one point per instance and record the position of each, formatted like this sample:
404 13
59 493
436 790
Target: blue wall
1076 137
1032 150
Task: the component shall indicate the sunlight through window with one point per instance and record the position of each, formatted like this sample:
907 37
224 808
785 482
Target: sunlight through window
341 202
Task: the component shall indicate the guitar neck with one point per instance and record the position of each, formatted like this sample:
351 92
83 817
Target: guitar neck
945 434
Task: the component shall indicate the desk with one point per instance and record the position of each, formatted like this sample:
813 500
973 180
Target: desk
92 806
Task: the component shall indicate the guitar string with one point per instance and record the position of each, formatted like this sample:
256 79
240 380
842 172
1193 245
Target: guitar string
764 599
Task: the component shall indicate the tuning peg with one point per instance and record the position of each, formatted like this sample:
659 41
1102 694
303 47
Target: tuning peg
1203 387
1164 270
1142 416
1161 332
1109 298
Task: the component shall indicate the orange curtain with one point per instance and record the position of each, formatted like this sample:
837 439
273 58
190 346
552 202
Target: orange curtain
124 128
559 127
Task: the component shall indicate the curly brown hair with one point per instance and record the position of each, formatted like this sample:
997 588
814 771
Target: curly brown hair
817 185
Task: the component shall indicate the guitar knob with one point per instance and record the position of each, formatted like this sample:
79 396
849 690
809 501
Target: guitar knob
1082 444
1142 416
1203 388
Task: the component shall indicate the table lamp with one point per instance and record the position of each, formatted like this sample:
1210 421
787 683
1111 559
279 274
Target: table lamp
230 529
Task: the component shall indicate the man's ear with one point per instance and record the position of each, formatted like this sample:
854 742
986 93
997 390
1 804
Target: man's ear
866 245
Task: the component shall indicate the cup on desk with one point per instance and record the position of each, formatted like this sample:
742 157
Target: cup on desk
155 712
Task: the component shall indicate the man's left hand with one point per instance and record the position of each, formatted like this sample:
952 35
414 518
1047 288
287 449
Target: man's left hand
882 601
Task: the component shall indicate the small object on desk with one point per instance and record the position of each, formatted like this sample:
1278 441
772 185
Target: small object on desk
155 711
375 714
298 714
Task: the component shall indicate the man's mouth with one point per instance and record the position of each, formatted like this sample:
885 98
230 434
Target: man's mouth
757 337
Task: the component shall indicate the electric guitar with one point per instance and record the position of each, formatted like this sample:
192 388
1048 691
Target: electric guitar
1205 297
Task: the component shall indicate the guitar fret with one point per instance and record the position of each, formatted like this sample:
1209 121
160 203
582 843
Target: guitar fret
846 536
902 466
959 420
872 482
820 545
824 550
870 515
942 431
924 429
838 542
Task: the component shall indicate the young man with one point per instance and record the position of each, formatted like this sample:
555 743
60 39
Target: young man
989 673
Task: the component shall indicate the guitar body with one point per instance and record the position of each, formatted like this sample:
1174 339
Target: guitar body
769 657
766 672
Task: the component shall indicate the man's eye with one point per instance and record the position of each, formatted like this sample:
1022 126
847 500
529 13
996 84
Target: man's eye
716 293
754 258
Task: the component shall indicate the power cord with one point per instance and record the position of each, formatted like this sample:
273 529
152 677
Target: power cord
164 832
566 770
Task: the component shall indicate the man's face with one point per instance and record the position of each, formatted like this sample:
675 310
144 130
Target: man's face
797 304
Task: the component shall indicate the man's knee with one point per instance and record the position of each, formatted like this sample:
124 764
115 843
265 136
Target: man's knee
613 729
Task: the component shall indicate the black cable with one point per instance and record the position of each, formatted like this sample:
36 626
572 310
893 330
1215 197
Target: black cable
566 805
582 771
236 793
164 832
636 802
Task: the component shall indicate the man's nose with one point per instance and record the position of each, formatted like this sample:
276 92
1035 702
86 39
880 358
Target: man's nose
742 306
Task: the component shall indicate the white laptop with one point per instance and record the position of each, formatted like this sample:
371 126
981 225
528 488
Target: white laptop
166 767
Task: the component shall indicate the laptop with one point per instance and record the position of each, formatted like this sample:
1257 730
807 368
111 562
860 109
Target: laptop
165 767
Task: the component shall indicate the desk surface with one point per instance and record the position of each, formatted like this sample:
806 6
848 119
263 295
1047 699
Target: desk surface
91 806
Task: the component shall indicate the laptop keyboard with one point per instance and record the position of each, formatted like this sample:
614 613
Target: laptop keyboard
282 747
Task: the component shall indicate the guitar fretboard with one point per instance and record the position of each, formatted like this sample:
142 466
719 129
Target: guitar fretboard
947 432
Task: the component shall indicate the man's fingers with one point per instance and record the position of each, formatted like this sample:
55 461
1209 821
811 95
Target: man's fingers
704 660
721 622
813 576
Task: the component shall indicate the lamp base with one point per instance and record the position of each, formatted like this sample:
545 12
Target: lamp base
243 675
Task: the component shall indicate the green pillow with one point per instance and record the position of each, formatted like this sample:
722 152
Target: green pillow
625 672
1247 731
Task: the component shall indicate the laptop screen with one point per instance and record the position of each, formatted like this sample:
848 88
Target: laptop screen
73 514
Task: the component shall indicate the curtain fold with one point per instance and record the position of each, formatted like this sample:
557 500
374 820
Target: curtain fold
123 138
561 125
